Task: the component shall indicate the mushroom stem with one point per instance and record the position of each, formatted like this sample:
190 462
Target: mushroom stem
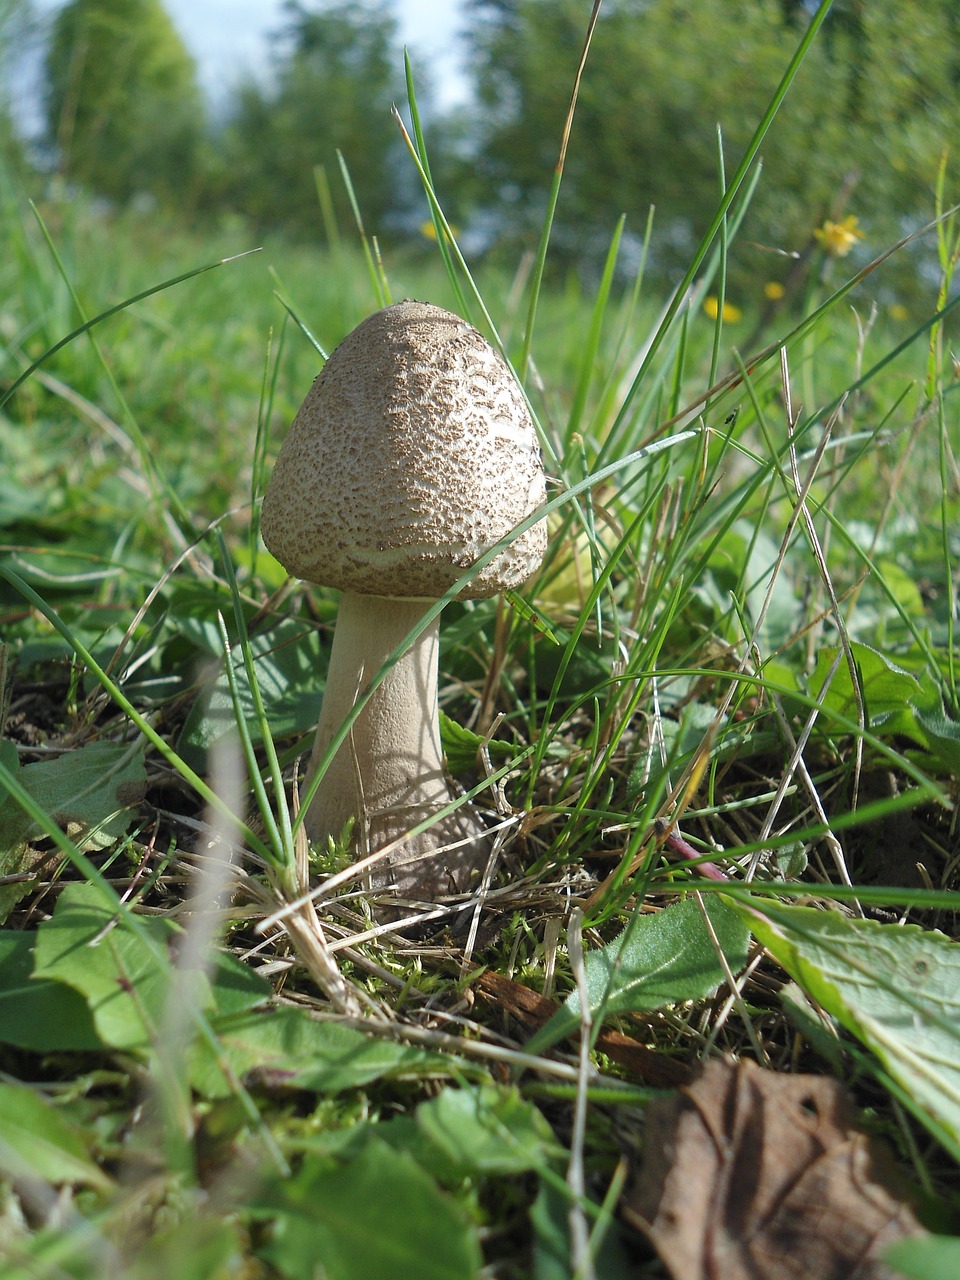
388 773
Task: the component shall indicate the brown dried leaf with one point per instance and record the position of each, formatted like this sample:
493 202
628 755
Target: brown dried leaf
533 1009
752 1175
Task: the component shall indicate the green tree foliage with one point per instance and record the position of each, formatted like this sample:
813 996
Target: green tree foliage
123 109
14 26
861 132
337 71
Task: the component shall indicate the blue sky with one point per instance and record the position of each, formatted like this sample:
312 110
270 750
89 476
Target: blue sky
230 36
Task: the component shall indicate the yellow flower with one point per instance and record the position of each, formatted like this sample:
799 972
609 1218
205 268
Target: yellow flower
838 238
731 314
897 311
429 231
773 290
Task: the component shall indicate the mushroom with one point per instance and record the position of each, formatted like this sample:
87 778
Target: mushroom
413 453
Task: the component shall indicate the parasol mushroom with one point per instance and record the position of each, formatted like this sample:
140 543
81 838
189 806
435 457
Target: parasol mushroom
412 455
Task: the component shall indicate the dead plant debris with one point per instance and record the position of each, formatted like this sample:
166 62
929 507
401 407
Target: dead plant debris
750 1174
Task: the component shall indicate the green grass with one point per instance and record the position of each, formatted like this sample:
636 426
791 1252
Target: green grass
746 625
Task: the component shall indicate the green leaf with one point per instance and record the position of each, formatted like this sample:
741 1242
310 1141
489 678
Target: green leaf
10 759
36 1142
380 1217
39 1014
484 1130
235 986
925 1257
549 1218
460 745
285 1046
895 988
660 959
887 688
901 582
16 856
192 1248
20 503
289 664
125 981
742 562
88 946
87 792
942 738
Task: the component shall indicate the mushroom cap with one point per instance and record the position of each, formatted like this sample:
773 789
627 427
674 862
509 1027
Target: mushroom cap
413 453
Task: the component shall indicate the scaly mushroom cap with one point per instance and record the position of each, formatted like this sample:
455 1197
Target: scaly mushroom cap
413 453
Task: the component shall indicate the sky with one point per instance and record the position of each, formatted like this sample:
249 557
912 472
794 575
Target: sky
227 37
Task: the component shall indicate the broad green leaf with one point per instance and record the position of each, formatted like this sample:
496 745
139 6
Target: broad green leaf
484 1129
16 856
89 946
20 503
379 1217
901 582
125 980
549 1218
743 561
87 792
285 1046
39 1013
10 758
235 986
189 610
681 738
942 738
887 688
660 959
192 1248
460 745
926 1257
289 665
896 988
37 1142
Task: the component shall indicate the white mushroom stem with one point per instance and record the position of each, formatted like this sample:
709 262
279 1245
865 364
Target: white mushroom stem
388 773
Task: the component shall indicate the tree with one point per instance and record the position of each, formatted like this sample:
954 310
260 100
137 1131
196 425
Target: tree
337 72
865 120
14 37
123 109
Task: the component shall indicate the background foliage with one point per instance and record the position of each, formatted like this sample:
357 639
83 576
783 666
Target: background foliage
123 110
862 133
336 73
862 130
